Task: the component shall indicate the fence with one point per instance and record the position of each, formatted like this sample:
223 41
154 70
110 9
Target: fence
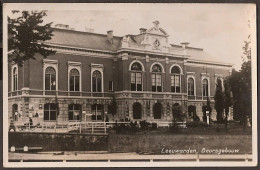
83 127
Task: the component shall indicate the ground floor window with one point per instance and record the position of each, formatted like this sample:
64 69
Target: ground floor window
157 111
137 110
74 112
15 112
50 111
97 111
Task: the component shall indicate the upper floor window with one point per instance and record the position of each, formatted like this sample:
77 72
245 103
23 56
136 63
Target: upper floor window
50 78
136 77
205 88
175 80
74 80
15 79
96 81
157 78
191 86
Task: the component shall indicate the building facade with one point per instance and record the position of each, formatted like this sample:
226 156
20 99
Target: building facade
144 75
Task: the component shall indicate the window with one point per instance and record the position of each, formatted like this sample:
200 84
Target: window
96 81
15 79
136 77
97 112
50 79
74 80
157 111
205 88
175 80
50 111
156 78
137 110
191 86
110 86
74 112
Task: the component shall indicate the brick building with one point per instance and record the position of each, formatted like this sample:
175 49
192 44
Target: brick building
144 74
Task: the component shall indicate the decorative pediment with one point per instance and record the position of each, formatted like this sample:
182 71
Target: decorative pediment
156 30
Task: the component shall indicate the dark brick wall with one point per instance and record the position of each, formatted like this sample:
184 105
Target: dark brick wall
59 142
32 73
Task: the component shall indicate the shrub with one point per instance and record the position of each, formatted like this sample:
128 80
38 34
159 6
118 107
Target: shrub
154 126
144 125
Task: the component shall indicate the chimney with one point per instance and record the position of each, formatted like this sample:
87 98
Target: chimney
142 30
185 45
110 36
156 24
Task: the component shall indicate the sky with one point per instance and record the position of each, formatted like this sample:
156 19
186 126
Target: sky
220 29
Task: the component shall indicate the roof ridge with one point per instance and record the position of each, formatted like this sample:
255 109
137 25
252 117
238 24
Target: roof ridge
83 32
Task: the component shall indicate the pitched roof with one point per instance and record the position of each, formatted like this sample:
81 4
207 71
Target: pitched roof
200 55
84 40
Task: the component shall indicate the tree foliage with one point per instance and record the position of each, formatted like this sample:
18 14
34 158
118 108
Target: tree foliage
178 113
26 35
219 100
240 82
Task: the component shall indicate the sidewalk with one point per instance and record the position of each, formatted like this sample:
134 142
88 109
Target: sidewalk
117 157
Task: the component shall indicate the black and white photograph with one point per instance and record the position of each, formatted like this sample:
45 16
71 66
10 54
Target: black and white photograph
129 85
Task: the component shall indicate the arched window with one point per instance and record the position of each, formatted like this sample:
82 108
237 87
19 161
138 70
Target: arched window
15 79
136 77
191 86
74 80
50 111
74 112
157 78
96 81
157 111
137 110
15 112
175 80
205 91
50 78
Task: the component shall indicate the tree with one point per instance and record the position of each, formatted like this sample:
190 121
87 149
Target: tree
112 108
27 35
240 83
228 99
178 113
219 102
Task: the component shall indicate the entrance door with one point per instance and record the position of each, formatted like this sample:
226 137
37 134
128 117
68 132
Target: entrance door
97 111
204 109
15 112
157 111
192 112
137 111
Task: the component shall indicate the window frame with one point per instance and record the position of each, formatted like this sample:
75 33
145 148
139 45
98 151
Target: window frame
77 66
207 95
49 110
155 74
95 81
73 109
100 68
50 63
135 73
50 79
14 83
194 86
